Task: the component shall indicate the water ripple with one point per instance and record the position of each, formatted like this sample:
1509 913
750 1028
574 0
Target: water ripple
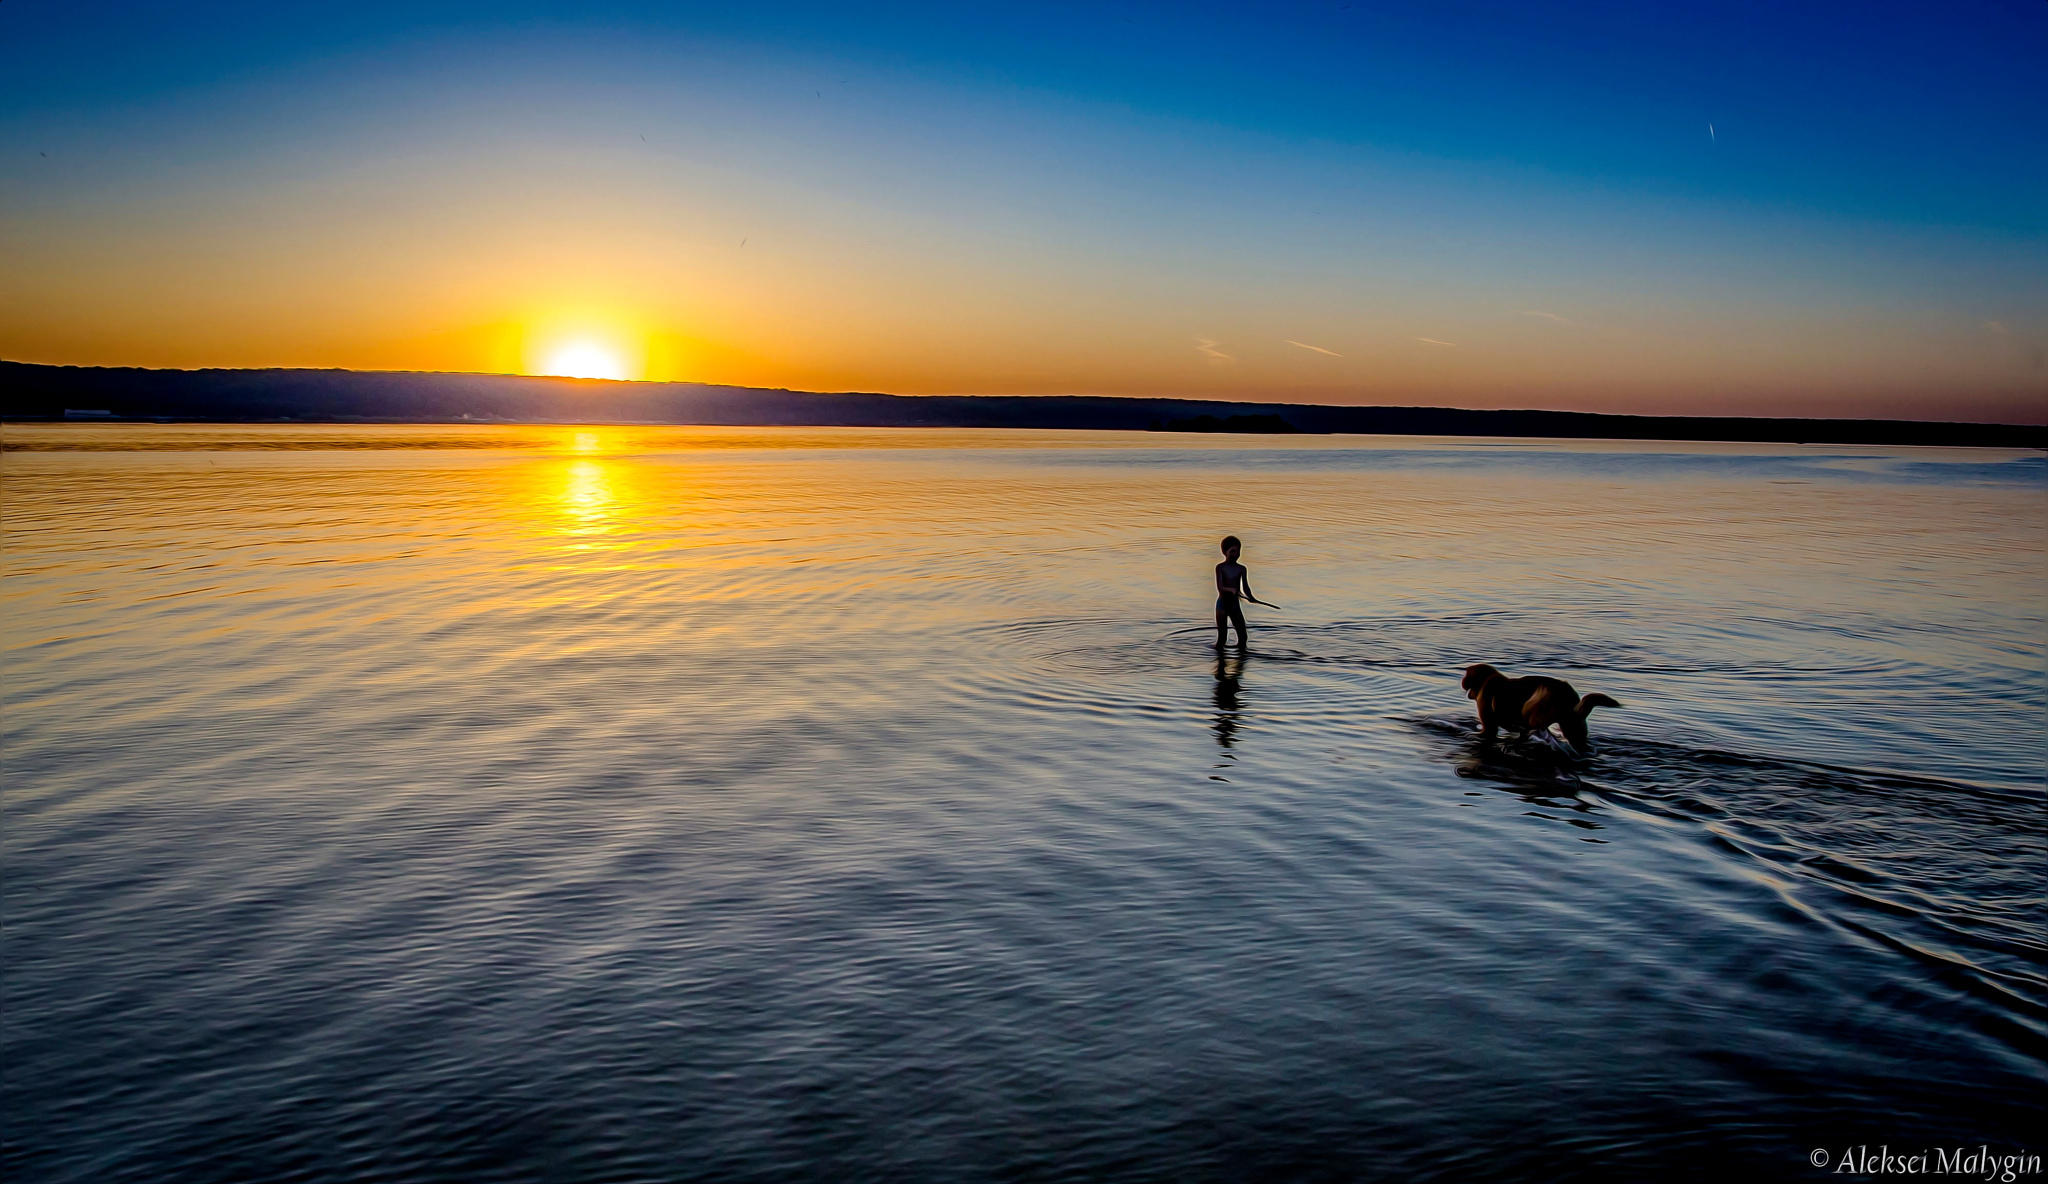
405 803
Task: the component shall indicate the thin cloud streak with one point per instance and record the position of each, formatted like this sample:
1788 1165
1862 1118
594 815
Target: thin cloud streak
1549 316
1317 348
1208 349
1434 341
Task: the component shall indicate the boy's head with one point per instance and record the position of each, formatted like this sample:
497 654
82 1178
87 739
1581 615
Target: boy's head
1231 546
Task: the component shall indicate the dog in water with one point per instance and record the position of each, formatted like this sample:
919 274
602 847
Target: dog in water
1531 705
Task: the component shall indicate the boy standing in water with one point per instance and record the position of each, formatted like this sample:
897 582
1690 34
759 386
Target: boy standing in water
1231 577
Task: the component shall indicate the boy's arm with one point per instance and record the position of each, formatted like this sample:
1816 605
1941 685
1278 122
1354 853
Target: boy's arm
1244 580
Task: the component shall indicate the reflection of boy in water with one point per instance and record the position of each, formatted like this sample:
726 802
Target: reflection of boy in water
1232 580
1229 700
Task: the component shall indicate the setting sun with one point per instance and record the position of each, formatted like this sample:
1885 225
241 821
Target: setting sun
585 359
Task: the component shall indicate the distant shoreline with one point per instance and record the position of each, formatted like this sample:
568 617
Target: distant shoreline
31 393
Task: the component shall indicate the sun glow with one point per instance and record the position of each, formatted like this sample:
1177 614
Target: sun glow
585 359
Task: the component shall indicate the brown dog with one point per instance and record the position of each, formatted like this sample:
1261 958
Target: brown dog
1531 704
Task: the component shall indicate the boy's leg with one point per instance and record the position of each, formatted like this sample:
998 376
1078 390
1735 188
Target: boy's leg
1222 622
1236 619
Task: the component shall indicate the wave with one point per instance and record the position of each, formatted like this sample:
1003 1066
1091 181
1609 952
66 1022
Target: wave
1945 872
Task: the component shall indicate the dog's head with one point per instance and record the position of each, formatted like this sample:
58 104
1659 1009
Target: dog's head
1477 677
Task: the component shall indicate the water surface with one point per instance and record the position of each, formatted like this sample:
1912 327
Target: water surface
610 803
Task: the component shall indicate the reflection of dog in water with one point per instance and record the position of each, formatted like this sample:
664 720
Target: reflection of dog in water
1531 705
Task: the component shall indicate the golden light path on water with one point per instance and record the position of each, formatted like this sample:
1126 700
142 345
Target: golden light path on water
587 486
587 499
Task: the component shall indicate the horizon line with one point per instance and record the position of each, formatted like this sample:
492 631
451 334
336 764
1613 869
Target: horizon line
1185 399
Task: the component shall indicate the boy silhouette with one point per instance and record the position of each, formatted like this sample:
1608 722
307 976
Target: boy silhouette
1232 581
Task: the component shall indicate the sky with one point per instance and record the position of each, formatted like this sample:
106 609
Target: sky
1773 208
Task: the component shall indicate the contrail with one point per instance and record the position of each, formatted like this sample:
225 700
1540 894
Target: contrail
1434 341
1548 316
1209 351
1305 345
1711 135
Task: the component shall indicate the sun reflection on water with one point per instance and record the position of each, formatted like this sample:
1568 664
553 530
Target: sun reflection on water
588 498
591 495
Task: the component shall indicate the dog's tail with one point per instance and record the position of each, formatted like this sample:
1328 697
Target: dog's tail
1589 702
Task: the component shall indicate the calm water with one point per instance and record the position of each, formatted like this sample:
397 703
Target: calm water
402 803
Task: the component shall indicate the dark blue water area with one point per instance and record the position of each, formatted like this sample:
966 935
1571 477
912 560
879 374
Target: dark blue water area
868 816
1186 917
